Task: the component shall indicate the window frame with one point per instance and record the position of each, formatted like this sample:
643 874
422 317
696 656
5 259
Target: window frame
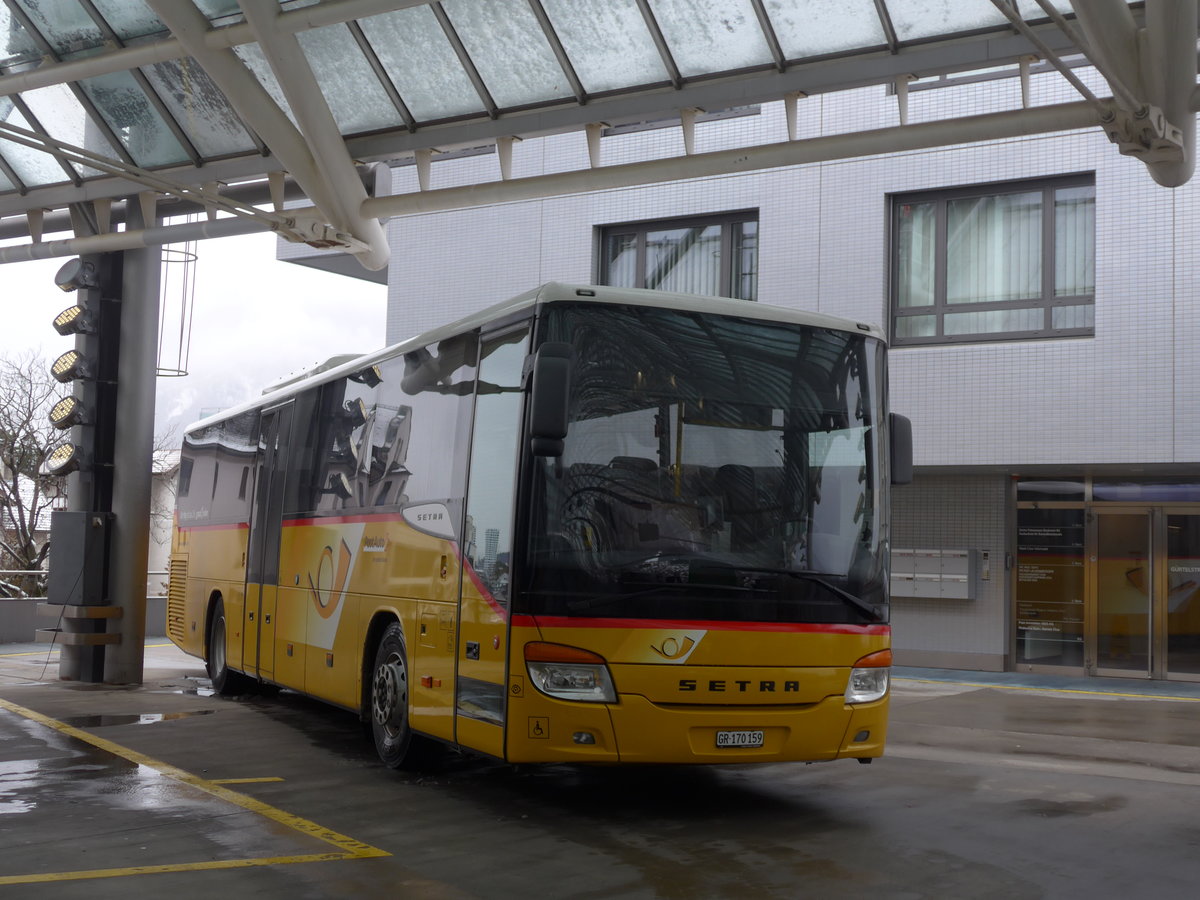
639 229
940 308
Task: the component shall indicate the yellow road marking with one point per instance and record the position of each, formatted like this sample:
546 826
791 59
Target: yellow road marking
345 847
262 780
1050 690
52 647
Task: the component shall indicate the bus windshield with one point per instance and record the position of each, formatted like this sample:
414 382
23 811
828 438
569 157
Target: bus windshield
715 468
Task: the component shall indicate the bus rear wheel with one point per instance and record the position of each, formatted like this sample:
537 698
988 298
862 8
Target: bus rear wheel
225 681
389 699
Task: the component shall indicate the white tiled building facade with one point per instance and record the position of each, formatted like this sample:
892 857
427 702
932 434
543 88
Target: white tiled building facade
1120 402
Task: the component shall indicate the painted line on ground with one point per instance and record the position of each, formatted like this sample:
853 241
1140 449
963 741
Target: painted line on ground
52 647
345 847
1048 690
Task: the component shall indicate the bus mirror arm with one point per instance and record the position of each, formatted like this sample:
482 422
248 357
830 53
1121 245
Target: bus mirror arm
549 394
901 448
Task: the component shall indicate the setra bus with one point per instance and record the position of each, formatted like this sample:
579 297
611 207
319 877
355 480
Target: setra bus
589 524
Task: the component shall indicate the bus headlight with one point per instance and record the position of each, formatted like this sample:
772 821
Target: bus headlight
569 673
869 678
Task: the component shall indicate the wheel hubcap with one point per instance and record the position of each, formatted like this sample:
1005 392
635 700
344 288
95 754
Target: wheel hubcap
389 694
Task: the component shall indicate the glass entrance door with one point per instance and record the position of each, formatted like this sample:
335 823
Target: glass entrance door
1124 590
1182 613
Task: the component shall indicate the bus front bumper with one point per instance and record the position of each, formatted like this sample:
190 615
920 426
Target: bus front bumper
635 730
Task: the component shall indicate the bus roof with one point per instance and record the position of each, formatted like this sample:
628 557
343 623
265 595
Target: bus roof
551 292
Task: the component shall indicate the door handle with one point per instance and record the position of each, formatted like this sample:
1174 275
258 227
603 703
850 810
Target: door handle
267 619
250 616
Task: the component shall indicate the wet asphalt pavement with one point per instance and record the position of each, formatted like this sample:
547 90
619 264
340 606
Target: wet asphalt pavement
1001 786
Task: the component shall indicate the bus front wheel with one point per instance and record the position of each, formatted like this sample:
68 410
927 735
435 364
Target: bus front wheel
389 699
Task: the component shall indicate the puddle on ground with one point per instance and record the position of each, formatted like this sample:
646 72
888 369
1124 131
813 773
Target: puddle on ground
135 719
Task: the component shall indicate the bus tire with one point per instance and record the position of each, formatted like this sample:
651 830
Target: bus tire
225 681
388 699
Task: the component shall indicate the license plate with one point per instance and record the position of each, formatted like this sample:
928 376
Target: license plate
739 738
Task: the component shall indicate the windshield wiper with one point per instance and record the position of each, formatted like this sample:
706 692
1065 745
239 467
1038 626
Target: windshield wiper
820 578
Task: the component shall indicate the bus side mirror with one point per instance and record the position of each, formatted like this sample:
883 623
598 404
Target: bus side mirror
550 392
901 448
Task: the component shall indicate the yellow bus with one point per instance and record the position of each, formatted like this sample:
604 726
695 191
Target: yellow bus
589 524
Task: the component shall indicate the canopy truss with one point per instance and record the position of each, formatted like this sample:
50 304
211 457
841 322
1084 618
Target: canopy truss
233 106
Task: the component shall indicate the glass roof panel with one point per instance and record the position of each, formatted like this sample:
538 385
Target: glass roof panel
431 82
136 123
219 9
355 96
507 46
607 42
63 118
914 19
65 24
712 35
252 56
34 167
199 107
17 46
130 19
5 184
817 27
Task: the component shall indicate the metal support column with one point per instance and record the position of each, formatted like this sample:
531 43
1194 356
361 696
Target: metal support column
133 457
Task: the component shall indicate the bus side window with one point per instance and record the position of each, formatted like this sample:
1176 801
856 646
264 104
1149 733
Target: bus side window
422 435
342 466
301 488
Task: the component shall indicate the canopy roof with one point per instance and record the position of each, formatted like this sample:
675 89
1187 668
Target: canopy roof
234 106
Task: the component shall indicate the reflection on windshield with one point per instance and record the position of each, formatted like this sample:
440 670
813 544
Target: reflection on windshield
713 467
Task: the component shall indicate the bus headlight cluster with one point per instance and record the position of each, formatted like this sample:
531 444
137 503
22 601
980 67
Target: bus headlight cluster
569 673
869 678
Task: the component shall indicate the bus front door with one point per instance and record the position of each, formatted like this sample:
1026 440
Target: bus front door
262 567
483 621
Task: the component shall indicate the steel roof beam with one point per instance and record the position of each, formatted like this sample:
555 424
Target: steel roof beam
768 30
464 59
1074 116
660 42
252 102
889 30
1157 64
892 140
381 75
339 182
133 239
560 52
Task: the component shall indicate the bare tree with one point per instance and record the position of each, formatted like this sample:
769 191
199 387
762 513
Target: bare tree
27 393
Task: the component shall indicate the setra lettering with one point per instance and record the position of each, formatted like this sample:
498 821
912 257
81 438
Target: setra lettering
719 686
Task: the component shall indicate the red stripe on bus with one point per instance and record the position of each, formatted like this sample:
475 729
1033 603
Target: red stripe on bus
528 621
238 525
344 520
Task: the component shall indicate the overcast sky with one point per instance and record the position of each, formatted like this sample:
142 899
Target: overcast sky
255 320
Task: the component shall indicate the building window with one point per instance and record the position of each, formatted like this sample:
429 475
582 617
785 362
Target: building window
714 255
996 263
